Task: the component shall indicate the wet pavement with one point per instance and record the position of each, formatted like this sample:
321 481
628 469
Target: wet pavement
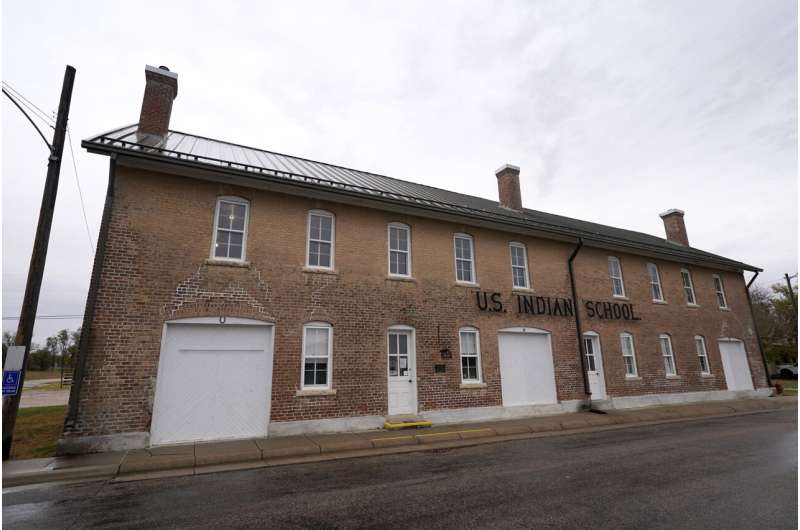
734 472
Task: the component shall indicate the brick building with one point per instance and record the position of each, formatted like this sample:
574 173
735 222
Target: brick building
238 292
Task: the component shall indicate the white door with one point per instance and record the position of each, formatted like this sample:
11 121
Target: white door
402 373
594 366
526 369
214 382
735 365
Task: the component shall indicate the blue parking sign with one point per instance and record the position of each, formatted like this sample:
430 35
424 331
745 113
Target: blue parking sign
10 382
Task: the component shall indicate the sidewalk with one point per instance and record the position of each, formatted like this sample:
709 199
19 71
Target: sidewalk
200 458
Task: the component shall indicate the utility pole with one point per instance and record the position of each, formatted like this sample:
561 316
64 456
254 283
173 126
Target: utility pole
33 287
791 291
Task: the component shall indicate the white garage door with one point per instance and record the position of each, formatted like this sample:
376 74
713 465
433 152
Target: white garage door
735 365
214 382
526 369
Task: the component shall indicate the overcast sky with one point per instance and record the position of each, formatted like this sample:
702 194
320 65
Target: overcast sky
615 111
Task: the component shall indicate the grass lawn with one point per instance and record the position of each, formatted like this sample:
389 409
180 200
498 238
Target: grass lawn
36 431
32 375
789 386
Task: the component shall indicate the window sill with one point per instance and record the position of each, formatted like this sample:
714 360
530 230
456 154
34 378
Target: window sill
693 306
724 308
227 263
618 297
521 290
706 375
674 377
466 284
316 270
660 302
313 392
409 279
473 386
632 378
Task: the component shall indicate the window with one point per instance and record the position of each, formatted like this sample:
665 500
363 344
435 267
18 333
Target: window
688 287
720 290
615 272
588 347
230 229
469 344
399 353
321 226
399 250
628 354
702 354
317 355
465 262
666 353
519 265
655 283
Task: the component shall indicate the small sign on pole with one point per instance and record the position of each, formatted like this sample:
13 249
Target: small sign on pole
12 370
11 382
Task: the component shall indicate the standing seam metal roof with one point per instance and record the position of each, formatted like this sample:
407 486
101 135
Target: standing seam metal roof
217 153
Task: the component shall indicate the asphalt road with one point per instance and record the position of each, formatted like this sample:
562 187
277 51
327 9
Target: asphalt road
737 472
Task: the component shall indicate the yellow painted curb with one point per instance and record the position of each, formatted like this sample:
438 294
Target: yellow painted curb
407 425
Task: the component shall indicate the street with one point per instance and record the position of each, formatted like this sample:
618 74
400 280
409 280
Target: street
736 472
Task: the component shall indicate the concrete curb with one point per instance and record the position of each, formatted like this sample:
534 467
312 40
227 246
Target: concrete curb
174 463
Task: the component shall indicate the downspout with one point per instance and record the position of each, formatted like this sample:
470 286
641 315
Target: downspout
91 300
578 329
755 328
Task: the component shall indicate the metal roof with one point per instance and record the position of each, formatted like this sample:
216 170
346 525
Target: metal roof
209 153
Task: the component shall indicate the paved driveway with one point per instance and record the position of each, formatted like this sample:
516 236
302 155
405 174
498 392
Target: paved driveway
736 472
43 398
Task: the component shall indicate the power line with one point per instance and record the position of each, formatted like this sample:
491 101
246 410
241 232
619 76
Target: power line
80 193
14 101
42 114
49 317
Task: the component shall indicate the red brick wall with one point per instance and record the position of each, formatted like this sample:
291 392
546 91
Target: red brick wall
156 270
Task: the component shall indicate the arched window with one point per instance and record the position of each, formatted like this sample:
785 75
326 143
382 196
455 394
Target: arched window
465 258
615 272
667 354
656 293
519 265
321 244
317 355
628 354
469 344
399 250
230 229
702 354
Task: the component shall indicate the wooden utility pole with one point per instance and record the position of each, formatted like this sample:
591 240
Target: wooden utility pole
31 301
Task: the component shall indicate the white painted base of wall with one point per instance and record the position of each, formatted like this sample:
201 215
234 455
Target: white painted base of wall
331 425
100 444
648 400
500 413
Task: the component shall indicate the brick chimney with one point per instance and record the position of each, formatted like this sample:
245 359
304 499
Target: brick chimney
675 227
161 87
508 187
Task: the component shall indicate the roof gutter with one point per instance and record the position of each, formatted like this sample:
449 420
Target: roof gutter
262 175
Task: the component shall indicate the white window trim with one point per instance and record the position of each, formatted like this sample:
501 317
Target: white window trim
657 282
517 244
324 213
412 348
719 291
691 287
233 200
471 261
470 329
389 249
317 325
621 280
704 354
633 355
671 354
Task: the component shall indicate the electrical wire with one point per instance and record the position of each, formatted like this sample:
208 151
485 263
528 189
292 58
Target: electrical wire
41 114
50 317
80 194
